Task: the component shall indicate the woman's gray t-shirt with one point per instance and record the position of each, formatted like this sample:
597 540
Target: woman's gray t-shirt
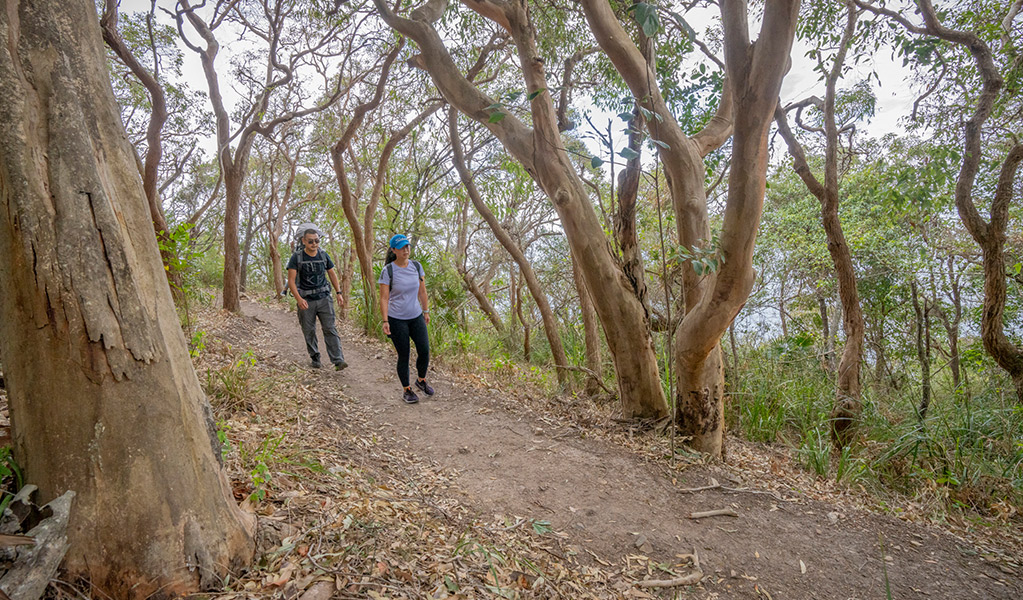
403 302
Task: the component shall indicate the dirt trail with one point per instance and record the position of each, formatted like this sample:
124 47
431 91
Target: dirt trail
606 497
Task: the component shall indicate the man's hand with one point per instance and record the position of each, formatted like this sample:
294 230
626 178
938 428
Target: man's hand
302 304
340 300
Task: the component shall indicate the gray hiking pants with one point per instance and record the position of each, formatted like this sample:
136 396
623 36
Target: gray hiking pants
324 309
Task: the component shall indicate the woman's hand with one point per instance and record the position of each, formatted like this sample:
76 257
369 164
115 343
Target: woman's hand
387 328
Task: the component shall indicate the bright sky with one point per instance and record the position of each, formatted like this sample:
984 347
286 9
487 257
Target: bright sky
894 99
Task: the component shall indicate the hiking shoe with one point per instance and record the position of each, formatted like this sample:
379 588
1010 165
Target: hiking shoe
315 364
410 397
341 366
421 384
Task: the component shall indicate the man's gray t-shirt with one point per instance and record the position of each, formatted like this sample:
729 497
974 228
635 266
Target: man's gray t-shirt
404 299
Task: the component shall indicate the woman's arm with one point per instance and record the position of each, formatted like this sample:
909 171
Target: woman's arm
423 300
385 295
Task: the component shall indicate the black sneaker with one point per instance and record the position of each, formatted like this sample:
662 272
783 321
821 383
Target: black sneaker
341 366
409 396
421 384
315 364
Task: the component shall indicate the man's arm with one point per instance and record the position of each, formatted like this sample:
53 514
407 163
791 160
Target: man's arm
337 287
302 304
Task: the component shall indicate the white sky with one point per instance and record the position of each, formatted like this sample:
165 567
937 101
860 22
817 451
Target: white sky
894 100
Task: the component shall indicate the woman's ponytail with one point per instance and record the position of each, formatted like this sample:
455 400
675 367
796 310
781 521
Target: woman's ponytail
391 257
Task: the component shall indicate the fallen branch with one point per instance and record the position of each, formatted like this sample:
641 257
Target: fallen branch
721 512
690 579
713 486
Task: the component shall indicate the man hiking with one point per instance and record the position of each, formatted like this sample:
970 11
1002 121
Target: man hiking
308 271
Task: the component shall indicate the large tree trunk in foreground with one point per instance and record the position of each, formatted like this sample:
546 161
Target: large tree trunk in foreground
105 403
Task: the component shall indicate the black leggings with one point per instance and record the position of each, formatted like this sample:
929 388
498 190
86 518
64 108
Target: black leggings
401 331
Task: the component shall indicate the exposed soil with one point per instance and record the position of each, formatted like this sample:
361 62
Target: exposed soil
615 503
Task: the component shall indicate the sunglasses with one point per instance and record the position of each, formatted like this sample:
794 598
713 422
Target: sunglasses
313 241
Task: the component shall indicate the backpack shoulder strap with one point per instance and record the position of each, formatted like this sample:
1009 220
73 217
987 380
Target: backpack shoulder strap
390 276
419 269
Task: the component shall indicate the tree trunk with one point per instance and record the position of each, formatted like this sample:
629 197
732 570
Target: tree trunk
550 324
846 410
781 305
922 346
234 178
753 76
277 267
625 322
347 276
952 326
829 346
243 280
361 242
590 333
625 218
106 403
526 351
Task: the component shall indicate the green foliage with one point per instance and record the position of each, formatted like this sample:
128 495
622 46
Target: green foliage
233 384
11 479
645 14
225 443
197 343
967 455
259 466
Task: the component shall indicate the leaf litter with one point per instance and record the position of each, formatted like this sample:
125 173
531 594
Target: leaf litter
343 515
347 516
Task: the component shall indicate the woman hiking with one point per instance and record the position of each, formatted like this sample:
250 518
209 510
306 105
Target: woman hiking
405 310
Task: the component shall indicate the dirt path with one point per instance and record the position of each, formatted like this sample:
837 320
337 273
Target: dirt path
608 499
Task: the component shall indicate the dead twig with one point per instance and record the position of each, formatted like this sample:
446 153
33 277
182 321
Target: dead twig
721 512
713 486
690 579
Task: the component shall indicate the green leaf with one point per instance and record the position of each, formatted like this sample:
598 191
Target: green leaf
690 32
542 527
646 16
661 144
626 116
536 93
495 106
595 162
628 153
496 117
